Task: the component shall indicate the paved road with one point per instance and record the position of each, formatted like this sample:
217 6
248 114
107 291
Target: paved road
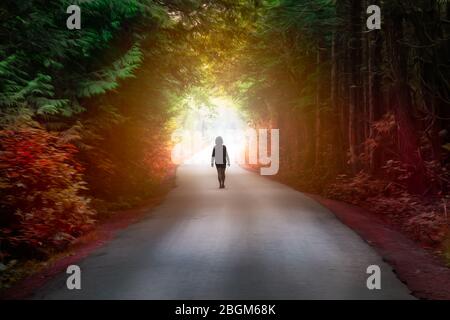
256 239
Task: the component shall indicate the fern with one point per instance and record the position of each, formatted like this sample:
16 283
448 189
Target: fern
108 79
51 106
6 65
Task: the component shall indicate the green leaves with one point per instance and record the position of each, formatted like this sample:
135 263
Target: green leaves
40 86
6 65
108 79
44 65
52 106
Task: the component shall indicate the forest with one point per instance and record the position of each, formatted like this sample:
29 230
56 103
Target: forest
87 115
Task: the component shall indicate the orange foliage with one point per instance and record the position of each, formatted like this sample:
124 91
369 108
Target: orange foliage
40 186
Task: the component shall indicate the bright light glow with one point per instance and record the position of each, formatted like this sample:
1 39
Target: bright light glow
200 126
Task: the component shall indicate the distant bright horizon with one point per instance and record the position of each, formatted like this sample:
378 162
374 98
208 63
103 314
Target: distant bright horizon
200 126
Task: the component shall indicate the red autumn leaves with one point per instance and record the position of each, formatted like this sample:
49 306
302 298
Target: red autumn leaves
41 187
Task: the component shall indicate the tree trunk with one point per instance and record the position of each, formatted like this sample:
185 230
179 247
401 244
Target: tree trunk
355 83
318 114
408 143
337 118
374 92
352 135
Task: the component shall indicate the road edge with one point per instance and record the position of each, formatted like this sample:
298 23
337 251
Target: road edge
424 274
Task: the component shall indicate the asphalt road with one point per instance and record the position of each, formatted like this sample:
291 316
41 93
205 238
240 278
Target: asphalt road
256 239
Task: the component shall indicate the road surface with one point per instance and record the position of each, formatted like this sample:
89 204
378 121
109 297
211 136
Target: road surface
256 239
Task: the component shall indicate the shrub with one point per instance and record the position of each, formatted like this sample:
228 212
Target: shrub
40 187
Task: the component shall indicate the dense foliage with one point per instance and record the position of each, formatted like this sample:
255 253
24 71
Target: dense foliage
86 114
40 185
366 113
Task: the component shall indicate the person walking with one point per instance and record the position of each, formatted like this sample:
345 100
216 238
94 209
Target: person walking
220 158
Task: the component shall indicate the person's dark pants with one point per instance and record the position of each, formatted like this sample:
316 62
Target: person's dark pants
221 174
